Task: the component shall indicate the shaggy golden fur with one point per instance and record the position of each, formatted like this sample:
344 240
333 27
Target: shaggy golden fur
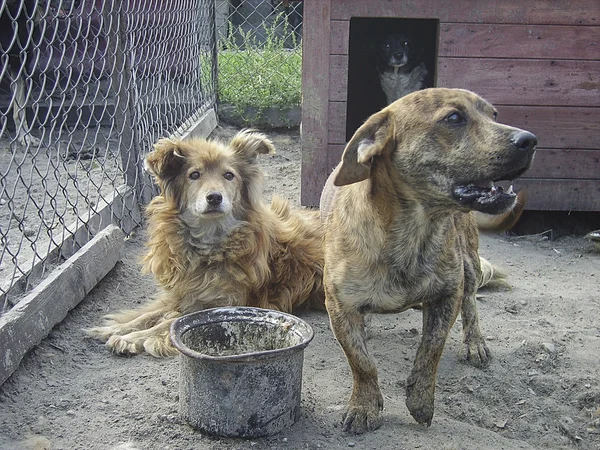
401 232
213 242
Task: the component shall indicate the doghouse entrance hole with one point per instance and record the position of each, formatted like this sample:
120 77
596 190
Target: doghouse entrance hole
367 35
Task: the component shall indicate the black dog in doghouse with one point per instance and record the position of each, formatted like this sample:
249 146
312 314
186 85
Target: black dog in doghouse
387 59
401 65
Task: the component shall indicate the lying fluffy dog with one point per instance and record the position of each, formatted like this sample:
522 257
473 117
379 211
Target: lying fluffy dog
401 232
213 242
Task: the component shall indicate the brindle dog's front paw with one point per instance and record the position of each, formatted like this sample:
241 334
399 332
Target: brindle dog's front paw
476 353
419 401
360 419
362 414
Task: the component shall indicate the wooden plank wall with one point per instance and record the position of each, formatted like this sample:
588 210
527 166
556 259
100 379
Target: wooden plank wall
540 66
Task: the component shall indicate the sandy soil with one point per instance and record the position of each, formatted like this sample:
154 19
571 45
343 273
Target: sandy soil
43 187
542 389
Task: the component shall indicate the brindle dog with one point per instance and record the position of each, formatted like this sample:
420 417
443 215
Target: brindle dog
401 232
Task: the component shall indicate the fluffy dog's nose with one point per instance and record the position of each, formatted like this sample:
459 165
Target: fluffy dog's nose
524 140
214 198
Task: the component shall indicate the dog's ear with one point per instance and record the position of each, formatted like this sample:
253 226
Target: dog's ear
166 161
249 143
368 142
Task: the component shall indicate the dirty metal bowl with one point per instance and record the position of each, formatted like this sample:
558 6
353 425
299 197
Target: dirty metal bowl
240 370
594 236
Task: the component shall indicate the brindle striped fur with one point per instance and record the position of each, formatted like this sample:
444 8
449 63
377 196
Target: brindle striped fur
396 239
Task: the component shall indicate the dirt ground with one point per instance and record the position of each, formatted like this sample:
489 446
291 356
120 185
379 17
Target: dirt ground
542 389
43 187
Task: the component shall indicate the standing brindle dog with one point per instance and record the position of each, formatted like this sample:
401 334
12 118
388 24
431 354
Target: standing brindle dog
400 232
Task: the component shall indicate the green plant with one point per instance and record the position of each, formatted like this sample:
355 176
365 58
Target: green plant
259 75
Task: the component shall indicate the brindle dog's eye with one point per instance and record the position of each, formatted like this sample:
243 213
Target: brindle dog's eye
455 118
194 175
229 176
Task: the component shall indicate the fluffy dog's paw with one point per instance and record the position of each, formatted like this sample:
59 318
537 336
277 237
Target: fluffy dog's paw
160 347
100 333
122 346
476 353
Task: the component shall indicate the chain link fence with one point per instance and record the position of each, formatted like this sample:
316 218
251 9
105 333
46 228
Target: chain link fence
260 60
86 88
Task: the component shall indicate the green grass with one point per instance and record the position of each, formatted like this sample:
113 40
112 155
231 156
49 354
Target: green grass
259 76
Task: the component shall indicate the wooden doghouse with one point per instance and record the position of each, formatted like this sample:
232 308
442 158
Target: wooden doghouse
539 64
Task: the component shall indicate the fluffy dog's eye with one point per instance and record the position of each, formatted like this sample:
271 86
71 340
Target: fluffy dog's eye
194 175
495 115
455 118
229 176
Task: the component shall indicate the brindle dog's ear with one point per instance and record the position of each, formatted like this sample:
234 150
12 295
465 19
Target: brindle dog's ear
249 143
166 161
368 141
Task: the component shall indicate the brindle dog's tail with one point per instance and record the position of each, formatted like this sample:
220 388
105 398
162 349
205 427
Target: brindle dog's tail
502 222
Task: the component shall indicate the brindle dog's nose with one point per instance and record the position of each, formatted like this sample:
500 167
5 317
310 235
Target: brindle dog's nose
214 198
524 140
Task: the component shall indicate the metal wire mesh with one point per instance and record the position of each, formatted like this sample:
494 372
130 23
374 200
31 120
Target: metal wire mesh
260 53
86 88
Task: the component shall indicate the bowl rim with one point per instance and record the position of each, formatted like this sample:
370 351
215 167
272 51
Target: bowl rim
183 324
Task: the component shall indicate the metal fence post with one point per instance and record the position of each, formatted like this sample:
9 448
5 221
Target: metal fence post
124 92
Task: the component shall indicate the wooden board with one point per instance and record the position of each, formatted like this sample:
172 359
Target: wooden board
561 194
334 156
315 102
556 127
548 163
337 122
338 78
340 37
524 82
30 321
564 163
201 127
518 41
549 12
543 193
540 66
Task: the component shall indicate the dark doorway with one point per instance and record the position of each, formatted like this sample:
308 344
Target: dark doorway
367 36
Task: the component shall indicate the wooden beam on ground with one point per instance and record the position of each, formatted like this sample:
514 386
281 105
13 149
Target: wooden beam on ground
30 321
120 208
201 127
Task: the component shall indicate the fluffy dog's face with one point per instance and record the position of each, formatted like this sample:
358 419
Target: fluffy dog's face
397 50
213 184
444 146
207 180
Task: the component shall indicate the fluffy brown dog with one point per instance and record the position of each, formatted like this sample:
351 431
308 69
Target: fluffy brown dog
213 242
400 232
